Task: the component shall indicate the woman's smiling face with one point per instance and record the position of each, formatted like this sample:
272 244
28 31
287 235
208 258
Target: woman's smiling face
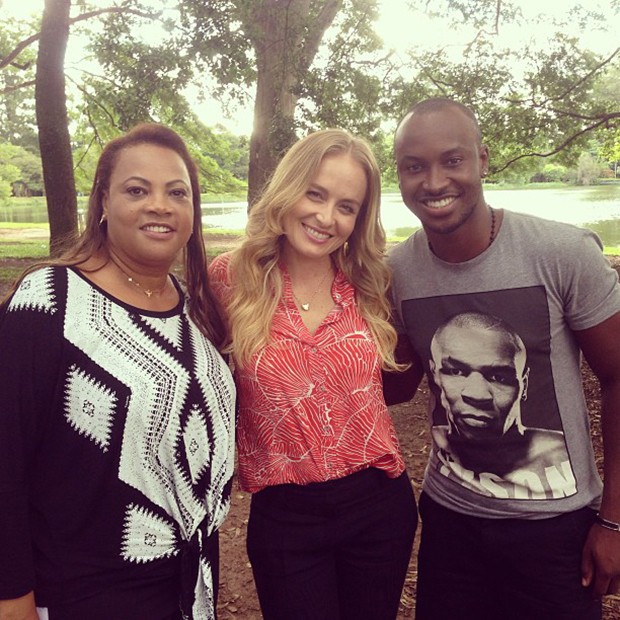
324 218
148 206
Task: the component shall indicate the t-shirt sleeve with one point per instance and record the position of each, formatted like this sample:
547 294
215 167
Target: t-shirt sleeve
395 261
30 352
593 293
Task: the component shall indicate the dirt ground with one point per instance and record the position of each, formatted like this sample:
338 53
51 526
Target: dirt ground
237 599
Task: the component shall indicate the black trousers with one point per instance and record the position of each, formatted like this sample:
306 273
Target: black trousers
502 569
336 550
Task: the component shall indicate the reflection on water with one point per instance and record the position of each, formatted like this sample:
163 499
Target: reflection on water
23 213
232 215
596 207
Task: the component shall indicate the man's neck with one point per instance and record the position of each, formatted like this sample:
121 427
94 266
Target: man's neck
469 240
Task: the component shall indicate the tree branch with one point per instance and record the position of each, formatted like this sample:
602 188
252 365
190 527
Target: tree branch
563 145
316 31
572 87
493 33
11 89
22 45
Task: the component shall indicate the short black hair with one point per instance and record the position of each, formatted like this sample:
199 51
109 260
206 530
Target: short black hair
436 104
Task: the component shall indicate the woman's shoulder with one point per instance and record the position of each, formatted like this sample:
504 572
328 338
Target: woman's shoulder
39 289
219 265
220 276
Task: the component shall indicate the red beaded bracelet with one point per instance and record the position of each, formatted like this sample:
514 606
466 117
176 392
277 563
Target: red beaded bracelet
609 525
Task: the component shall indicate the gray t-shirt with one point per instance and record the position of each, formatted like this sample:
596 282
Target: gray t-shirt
507 411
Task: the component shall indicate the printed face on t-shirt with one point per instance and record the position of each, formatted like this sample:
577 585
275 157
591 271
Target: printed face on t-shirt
477 370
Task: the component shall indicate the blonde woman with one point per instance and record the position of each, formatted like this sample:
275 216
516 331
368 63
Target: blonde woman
333 513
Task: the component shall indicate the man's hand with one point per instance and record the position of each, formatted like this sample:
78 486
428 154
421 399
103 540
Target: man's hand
22 608
600 561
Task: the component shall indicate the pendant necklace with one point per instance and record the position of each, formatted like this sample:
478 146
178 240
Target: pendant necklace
147 291
305 307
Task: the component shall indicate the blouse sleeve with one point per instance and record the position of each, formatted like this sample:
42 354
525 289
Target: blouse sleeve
219 277
30 353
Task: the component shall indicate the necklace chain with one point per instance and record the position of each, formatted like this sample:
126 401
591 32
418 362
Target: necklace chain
306 306
147 291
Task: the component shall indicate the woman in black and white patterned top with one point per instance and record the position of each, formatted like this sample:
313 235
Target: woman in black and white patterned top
117 414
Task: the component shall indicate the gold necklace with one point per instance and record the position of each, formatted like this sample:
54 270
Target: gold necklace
147 291
305 307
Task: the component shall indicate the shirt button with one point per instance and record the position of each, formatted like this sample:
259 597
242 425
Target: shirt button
322 388
313 349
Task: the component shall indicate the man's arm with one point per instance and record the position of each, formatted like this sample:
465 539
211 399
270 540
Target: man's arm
601 555
400 387
22 608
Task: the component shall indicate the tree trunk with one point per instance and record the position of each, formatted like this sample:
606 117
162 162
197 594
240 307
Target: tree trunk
286 37
53 124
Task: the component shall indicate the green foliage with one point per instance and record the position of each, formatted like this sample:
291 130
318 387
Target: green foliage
17 123
141 80
539 99
553 173
588 169
343 87
9 173
20 171
146 82
218 43
607 90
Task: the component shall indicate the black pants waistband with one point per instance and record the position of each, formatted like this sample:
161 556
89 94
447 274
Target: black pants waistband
328 498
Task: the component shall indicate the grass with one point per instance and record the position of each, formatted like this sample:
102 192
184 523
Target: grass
40 249
10 274
232 232
24 249
22 225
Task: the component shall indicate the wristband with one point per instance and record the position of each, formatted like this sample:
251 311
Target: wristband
608 525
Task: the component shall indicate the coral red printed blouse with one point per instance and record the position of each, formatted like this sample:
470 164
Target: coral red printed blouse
311 406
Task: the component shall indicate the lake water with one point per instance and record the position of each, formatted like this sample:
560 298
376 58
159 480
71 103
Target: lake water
596 207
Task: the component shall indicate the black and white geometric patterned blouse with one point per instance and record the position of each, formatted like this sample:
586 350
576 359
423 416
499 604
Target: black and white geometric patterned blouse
116 453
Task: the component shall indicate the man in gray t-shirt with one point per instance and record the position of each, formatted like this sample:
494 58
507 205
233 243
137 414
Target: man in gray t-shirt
496 308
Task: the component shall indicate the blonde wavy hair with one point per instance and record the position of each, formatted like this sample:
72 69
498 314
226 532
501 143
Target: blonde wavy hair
256 281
